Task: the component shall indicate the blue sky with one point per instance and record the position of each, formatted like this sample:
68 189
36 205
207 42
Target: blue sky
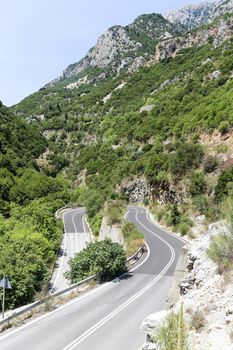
40 38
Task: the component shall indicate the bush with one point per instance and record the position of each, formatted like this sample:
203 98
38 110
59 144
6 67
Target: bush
197 184
224 185
210 164
197 320
183 228
224 127
172 335
173 215
105 258
201 204
114 211
221 251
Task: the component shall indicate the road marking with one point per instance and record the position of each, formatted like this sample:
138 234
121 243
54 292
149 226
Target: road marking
76 300
159 226
63 255
77 211
107 318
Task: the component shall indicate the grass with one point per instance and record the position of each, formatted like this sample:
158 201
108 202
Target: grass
133 238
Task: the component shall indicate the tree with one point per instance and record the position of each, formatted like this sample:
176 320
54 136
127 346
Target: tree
105 258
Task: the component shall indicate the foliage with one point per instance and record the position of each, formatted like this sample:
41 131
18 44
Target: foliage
221 246
224 185
197 184
104 258
134 239
210 164
114 211
173 333
25 255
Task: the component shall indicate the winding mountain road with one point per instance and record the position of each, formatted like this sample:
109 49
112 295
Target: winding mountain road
110 316
76 236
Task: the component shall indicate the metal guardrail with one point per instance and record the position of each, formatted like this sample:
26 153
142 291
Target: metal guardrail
74 287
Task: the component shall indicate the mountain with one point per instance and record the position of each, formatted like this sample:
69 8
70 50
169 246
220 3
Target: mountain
144 131
191 16
120 48
145 116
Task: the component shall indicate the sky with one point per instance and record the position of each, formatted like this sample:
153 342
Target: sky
40 38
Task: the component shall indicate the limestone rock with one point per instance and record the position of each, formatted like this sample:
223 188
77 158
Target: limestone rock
137 189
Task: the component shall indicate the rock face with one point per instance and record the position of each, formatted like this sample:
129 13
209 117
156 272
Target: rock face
122 48
137 189
217 34
191 16
204 291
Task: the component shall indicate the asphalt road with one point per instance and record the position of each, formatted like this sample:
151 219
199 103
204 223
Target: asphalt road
76 236
110 316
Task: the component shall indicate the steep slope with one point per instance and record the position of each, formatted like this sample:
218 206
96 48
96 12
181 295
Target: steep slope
120 48
146 134
191 16
29 232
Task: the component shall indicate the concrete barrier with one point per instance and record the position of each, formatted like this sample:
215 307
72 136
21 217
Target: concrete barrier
180 272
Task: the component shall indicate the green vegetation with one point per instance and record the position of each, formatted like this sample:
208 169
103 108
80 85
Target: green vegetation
173 333
221 247
105 142
105 258
114 211
29 232
91 145
133 238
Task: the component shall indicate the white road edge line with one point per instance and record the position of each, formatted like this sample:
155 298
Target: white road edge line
107 318
77 211
76 300
150 218
63 255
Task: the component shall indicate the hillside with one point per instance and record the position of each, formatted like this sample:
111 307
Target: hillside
119 49
146 116
29 233
153 125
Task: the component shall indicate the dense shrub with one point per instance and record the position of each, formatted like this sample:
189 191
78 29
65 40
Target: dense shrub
105 258
198 184
210 164
114 211
224 185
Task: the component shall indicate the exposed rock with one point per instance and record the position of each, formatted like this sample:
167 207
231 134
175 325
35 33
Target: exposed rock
146 108
216 74
218 33
191 16
136 189
207 292
137 63
122 48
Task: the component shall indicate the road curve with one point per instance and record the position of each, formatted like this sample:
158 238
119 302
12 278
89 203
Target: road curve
108 317
76 236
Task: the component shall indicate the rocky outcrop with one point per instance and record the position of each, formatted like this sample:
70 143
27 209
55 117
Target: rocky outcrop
191 16
217 34
205 292
120 48
137 189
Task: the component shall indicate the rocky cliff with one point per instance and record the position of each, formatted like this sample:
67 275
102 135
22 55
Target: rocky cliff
191 16
122 48
217 33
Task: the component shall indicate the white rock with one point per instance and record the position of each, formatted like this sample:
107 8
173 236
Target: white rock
154 321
